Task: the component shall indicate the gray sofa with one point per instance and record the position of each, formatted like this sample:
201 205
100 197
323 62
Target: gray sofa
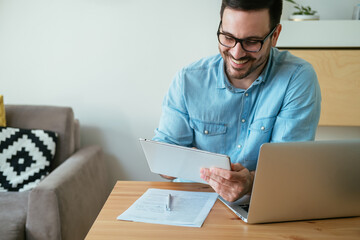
66 202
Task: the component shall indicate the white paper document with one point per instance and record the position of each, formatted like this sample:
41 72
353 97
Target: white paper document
171 207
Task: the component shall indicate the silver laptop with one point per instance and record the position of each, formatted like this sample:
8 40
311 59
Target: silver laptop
304 180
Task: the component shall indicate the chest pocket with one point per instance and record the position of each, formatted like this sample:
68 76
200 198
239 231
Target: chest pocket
262 125
259 132
209 136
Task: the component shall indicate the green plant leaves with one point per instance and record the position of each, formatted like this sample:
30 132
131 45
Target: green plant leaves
302 10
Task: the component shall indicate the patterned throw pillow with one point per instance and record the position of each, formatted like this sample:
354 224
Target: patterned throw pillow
25 157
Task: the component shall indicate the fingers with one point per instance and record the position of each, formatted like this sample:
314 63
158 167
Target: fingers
237 174
218 174
230 191
231 185
223 190
221 176
237 167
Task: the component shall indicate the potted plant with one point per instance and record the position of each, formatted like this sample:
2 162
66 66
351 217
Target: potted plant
303 12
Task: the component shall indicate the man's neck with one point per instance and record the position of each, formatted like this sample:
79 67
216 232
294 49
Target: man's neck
243 83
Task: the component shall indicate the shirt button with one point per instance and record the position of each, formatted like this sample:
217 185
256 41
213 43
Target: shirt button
246 94
262 128
243 120
239 146
206 132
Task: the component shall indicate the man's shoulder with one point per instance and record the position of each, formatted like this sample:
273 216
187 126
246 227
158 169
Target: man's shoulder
284 57
204 72
290 69
204 64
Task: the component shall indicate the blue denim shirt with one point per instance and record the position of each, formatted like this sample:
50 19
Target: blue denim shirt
203 110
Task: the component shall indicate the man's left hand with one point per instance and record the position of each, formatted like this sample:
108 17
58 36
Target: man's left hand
231 185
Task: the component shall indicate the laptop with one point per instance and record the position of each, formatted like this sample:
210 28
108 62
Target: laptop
303 180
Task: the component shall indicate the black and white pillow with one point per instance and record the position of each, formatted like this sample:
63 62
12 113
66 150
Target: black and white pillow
25 157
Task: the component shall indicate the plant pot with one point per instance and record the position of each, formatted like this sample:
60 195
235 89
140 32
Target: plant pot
303 17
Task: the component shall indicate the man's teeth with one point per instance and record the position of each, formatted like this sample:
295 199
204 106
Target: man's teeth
240 61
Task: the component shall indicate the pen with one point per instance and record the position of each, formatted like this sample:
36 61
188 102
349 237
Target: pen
168 202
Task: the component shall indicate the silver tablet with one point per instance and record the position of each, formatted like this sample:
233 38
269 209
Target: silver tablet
181 162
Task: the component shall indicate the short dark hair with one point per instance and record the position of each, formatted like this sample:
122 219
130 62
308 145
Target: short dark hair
274 6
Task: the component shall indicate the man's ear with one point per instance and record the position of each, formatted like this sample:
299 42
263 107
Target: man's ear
276 35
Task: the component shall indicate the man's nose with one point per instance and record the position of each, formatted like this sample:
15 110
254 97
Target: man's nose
237 51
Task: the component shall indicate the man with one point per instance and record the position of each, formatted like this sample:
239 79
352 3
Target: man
249 94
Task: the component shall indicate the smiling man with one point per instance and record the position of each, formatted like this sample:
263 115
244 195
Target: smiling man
249 94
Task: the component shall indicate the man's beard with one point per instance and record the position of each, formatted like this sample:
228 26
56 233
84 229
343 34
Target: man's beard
234 73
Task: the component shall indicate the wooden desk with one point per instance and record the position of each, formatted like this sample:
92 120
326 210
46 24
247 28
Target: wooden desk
221 223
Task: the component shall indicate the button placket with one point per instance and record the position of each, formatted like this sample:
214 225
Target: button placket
246 103
243 120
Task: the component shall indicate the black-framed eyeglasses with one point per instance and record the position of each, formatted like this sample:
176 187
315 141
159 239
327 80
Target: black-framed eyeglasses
248 44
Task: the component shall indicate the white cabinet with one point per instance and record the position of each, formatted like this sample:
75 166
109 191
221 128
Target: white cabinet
320 34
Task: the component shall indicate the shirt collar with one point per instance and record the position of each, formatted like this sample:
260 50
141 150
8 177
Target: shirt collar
266 71
223 81
222 78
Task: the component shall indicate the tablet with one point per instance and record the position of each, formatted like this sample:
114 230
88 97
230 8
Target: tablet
181 162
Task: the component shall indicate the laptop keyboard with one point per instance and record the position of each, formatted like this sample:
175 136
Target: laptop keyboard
245 207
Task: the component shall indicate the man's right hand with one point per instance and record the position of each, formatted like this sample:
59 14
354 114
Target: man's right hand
231 185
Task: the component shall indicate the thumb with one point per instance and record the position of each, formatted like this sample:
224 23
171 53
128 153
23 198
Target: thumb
237 167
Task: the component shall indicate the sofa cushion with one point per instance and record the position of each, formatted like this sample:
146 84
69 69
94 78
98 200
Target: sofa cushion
25 157
13 208
53 118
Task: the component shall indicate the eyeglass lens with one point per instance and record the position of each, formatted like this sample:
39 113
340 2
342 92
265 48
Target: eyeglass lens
247 45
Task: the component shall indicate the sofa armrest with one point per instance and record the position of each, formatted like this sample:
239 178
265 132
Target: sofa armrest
66 203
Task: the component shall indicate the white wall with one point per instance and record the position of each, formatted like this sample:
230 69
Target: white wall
111 60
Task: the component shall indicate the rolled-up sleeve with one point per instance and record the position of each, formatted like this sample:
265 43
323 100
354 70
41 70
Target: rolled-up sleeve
300 113
174 125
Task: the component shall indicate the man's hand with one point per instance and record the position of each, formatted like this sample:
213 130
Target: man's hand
231 185
167 177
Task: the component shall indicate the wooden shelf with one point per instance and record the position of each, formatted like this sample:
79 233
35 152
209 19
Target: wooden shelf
338 71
